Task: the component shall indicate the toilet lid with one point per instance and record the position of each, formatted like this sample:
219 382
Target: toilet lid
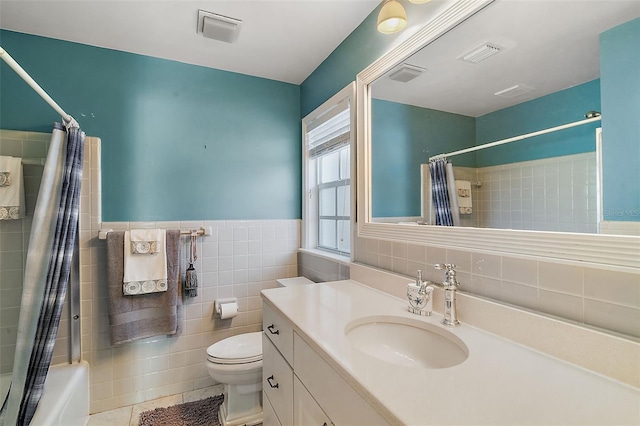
239 349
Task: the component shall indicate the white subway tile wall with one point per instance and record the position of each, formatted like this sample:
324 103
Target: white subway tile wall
598 297
238 259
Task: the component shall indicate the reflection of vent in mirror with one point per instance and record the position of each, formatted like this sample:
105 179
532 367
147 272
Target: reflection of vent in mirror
515 91
406 73
480 53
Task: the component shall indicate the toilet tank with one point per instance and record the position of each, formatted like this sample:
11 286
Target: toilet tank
291 282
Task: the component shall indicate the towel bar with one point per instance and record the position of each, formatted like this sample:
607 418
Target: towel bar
203 231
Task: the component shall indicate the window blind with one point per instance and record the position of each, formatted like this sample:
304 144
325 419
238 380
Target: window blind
332 134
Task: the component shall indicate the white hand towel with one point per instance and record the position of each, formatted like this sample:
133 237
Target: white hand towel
463 190
11 188
145 272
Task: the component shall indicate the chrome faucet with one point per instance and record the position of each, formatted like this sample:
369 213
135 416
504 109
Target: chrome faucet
450 285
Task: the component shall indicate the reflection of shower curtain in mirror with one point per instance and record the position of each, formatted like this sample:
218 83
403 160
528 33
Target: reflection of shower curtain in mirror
443 193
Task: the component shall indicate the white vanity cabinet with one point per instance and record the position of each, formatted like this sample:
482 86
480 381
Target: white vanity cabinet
306 410
300 388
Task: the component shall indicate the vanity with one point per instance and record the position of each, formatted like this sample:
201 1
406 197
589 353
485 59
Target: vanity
345 353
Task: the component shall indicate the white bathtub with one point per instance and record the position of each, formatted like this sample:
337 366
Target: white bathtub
65 400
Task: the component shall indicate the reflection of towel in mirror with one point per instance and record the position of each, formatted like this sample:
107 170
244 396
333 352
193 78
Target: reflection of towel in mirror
463 190
136 317
11 188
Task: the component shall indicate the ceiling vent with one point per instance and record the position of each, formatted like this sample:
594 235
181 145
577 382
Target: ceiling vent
406 73
480 53
515 91
218 27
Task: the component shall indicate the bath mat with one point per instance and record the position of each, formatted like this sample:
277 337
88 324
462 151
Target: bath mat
196 413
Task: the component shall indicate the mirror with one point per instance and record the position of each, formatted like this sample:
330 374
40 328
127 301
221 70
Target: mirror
492 71
512 69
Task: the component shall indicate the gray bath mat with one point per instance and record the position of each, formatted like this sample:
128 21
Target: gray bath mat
196 413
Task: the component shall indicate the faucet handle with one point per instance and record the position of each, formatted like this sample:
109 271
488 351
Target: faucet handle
447 266
450 274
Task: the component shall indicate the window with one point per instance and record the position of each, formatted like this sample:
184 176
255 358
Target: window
327 175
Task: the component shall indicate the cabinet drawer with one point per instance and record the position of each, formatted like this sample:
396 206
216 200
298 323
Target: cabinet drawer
277 382
336 397
279 331
306 410
269 417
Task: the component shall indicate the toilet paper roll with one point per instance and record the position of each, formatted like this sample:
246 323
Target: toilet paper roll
228 310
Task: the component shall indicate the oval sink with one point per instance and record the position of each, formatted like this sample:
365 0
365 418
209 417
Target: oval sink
406 342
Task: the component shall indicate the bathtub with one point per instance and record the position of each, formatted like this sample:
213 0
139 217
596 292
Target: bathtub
65 400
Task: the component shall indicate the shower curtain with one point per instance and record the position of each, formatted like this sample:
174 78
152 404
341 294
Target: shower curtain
47 271
443 193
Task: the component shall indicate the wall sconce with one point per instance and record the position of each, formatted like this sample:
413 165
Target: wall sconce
392 17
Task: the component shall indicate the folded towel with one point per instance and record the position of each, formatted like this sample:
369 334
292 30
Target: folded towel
11 188
463 190
145 273
133 318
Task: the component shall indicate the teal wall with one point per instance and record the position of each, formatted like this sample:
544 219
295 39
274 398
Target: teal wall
555 109
179 142
620 75
403 137
363 46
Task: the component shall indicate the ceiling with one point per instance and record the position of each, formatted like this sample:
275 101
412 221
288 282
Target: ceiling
279 40
546 45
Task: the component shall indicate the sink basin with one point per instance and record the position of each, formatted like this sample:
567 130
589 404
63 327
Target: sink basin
406 342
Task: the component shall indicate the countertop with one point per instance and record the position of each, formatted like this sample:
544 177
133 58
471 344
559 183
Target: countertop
500 383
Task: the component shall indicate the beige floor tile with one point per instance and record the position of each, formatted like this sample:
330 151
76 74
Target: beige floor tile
167 401
198 394
117 417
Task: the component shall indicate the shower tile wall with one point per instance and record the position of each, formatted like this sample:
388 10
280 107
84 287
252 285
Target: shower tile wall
598 297
14 238
554 194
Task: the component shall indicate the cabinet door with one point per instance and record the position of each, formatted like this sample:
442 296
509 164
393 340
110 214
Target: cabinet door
306 410
269 417
336 397
277 382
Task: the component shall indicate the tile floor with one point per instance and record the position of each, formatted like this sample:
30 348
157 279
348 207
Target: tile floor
130 416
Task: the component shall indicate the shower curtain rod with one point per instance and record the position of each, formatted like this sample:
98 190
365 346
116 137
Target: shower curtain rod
517 138
31 82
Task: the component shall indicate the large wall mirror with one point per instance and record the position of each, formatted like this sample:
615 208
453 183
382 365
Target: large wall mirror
534 104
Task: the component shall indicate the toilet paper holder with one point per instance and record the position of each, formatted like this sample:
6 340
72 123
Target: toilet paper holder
226 308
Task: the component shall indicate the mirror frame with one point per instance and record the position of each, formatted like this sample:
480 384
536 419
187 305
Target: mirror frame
612 251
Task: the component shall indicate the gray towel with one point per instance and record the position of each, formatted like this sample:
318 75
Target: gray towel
136 317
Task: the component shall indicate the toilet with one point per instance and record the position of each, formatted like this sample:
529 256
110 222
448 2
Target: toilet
236 362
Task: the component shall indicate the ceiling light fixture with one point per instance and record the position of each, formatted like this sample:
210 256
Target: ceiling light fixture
419 1
392 17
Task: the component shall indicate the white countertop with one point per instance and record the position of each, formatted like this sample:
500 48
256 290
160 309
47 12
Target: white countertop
500 383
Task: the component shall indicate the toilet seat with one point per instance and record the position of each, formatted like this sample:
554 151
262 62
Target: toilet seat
240 349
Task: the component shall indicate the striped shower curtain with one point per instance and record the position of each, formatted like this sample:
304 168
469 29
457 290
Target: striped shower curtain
47 272
443 194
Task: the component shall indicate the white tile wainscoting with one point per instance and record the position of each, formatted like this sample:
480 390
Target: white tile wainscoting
238 259
605 298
